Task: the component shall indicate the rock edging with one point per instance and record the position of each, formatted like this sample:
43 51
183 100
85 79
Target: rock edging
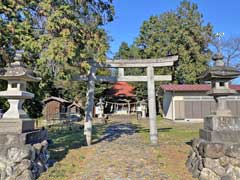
214 161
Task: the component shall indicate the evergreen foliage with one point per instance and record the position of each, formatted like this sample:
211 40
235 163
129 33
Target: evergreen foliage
58 37
181 32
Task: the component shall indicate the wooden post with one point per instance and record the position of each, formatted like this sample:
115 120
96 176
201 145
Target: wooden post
90 105
152 105
129 107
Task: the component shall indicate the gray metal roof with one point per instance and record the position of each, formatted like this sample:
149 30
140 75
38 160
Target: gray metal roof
56 99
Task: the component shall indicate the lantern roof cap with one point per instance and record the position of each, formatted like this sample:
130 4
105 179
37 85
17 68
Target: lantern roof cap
17 70
219 71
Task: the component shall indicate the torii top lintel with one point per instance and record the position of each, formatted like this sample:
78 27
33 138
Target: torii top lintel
124 63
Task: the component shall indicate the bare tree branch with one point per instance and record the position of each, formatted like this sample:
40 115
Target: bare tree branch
230 48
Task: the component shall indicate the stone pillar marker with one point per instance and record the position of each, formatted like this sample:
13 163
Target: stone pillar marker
216 154
23 149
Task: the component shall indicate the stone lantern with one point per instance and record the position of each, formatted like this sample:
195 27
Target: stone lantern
141 109
215 153
220 76
100 108
23 149
144 109
17 75
143 105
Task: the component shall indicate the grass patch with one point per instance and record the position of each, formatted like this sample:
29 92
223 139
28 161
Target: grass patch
66 141
173 150
170 132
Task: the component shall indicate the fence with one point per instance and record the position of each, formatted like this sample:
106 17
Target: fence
64 119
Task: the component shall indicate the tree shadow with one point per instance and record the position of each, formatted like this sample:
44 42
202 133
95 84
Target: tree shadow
68 137
117 130
146 130
72 137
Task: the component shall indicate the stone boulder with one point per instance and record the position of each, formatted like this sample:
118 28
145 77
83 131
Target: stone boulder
207 174
212 150
16 154
233 151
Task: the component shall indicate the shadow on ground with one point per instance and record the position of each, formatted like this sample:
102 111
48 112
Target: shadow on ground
145 130
117 130
66 138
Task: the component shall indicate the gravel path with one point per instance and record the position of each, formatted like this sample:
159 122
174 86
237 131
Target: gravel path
121 154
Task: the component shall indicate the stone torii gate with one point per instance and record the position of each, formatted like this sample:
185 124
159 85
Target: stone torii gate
150 64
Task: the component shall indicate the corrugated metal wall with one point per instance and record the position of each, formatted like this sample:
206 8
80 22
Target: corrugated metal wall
235 107
179 110
198 109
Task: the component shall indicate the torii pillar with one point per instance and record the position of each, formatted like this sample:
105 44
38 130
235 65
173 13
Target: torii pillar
152 105
90 105
121 64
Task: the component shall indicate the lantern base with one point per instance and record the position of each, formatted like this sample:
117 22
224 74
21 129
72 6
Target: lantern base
221 129
16 125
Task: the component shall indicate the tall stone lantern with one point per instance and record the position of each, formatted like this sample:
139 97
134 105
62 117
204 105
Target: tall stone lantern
15 119
220 76
216 154
219 125
23 148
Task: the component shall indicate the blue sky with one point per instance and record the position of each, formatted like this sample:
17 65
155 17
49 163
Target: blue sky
130 14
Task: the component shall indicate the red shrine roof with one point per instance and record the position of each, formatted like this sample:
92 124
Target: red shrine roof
121 89
192 87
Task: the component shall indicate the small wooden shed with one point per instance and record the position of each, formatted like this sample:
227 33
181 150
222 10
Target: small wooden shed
55 108
75 111
75 108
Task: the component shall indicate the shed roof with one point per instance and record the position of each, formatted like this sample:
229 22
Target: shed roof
74 104
56 99
192 87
